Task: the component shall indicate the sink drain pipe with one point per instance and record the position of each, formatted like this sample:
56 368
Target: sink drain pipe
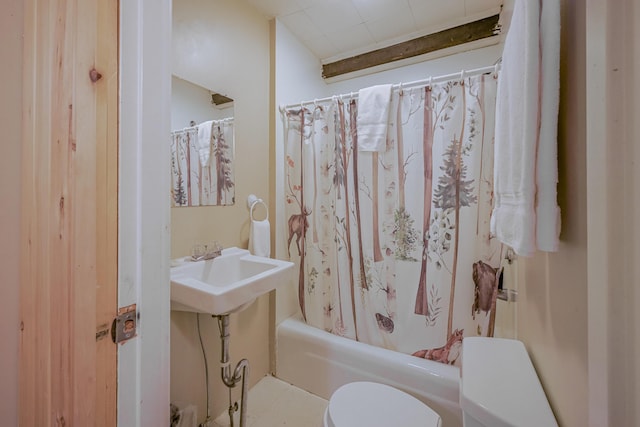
240 373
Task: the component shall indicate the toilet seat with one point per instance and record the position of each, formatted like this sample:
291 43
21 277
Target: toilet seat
376 405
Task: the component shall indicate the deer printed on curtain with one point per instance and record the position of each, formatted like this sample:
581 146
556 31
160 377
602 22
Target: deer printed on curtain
393 244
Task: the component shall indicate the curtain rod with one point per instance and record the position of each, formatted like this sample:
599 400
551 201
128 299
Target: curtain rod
409 85
193 124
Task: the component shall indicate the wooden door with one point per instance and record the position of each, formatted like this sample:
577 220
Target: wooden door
69 213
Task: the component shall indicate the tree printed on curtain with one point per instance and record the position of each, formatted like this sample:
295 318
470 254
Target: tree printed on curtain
195 185
393 247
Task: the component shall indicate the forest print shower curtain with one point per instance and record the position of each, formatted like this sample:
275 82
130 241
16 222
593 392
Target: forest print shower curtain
193 184
393 248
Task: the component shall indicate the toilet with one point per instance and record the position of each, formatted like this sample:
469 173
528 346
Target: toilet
498 388
371 404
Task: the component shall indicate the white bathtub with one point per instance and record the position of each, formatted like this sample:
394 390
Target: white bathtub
320 362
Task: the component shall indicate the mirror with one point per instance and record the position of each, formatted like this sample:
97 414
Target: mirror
202 144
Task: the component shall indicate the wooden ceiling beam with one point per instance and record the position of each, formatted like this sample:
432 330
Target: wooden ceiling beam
219 99
476 30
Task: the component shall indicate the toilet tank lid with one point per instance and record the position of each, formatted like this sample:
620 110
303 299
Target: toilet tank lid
499 385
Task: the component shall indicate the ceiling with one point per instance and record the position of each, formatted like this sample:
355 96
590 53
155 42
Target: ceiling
336 29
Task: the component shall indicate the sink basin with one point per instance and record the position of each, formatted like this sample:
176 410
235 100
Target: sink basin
226 284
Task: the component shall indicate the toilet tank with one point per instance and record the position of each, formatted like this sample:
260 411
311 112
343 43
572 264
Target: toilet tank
499 386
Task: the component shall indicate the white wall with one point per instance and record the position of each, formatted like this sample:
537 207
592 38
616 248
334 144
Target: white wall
223 45
298 78
192 102
10 122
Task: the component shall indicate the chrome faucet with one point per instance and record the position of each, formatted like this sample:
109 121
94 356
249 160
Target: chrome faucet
205 252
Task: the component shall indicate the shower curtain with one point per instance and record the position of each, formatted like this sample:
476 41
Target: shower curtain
193 184
393 247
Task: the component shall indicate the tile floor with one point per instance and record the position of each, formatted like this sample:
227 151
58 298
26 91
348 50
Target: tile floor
275 403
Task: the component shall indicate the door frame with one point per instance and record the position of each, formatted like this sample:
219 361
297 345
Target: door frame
612 60
144 209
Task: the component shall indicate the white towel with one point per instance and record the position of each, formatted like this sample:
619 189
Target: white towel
513 218
259 234
204 142
373 117
547 210
526 110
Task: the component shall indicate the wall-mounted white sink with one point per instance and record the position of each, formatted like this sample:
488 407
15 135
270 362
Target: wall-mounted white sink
225 284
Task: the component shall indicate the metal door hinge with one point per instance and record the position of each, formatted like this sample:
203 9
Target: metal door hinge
124 326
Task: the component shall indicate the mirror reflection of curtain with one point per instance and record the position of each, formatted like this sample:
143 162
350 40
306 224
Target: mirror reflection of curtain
393 247
193 184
